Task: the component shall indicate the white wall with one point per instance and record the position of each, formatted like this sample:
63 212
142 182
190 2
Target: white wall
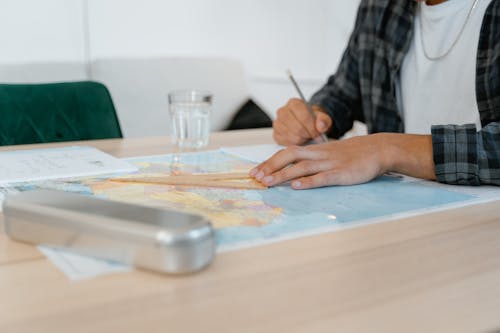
268 36
40 30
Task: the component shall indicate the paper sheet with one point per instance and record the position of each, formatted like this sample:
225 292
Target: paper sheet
78 267
41 164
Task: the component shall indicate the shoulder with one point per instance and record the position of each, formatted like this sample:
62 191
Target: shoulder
382 14
387 7
385 20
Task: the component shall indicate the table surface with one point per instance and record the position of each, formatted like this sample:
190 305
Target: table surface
437 272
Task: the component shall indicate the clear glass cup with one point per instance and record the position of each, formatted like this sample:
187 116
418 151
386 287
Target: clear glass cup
190 118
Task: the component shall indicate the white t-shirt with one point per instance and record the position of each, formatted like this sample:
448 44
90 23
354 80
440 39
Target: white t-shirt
443 91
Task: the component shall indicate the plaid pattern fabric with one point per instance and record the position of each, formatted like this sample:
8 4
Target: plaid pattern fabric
466 157
364 89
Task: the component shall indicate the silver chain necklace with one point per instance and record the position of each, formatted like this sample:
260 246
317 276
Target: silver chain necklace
433 58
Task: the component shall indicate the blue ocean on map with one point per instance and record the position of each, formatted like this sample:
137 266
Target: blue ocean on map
337 206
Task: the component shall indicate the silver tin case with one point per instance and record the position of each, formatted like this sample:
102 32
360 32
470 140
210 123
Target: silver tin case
152 238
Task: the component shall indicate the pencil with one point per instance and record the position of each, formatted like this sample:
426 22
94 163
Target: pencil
309 107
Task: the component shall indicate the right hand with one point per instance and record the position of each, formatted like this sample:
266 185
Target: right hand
295 126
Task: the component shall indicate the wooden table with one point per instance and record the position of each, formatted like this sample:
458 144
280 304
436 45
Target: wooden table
438 272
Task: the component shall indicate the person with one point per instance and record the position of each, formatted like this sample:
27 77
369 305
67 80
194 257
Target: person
411 68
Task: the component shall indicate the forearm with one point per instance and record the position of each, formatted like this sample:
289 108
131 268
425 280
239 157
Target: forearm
407 154
453 154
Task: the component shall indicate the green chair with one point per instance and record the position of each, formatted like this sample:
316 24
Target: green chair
55 112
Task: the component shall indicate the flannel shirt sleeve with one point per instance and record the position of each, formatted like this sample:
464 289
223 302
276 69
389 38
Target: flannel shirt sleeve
464 156
340 97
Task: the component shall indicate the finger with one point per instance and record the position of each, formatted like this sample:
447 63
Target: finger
279 139
303 117
298 170
323 122
285 140
318 180
337 176
285 137
291 124
283 158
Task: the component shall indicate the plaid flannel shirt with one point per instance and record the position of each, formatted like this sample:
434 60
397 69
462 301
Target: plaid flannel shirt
364 89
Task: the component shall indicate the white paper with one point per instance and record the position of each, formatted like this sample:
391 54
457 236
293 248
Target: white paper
253 153
42 164
78 267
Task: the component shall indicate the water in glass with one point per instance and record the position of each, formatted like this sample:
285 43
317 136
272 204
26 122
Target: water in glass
190 124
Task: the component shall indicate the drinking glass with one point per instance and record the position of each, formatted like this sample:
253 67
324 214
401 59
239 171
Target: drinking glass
190 118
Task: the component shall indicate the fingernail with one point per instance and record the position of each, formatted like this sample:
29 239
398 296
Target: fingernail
268 180
296 184
321 125
253 172
259 175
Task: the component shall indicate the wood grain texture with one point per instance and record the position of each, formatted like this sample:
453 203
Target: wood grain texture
436 272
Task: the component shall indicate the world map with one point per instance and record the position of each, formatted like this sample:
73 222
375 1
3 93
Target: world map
247 217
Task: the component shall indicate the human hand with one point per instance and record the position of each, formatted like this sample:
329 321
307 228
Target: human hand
295 126
351 161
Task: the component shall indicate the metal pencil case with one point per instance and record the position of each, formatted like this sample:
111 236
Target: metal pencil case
152 238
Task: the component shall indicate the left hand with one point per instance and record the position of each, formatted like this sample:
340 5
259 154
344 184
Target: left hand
346 162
